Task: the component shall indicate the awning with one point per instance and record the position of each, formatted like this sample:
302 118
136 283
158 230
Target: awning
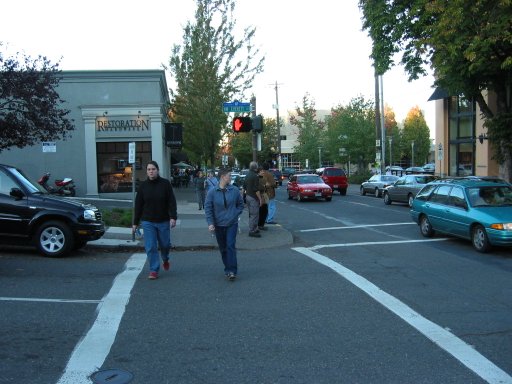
438 94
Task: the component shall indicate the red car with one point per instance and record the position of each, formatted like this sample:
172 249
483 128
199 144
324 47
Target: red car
334 178
308 186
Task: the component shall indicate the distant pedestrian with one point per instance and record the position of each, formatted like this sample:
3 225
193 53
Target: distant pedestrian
262 214
223 206
155 209
211 182
253 198
200 189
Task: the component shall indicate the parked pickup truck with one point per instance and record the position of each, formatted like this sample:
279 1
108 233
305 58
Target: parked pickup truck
55 225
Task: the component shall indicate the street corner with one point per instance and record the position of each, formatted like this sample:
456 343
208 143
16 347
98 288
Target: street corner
274 236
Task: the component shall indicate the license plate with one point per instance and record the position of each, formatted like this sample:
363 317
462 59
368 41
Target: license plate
318 194
335 186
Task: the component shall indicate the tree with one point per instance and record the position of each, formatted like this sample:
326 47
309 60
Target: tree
468 44
416 129
30 107
350 132
210 67
309 137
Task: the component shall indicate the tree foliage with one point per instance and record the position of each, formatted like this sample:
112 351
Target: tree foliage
351 128
416 129
468 45
310 132
30 107
210 67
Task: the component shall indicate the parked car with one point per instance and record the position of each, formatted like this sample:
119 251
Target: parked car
376 184
410 170
308 186
335 178
54 224
278 176
477 210
394 170
287 172
406 188
429 168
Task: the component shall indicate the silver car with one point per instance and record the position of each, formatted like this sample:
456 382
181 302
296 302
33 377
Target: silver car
405 188
376 184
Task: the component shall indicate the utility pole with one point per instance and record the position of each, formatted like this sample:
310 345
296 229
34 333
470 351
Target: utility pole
278 129
378 140
254 134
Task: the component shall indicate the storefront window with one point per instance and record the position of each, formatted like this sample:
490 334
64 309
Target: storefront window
462 136
114 171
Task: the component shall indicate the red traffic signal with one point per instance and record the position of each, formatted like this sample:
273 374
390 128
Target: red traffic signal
242 124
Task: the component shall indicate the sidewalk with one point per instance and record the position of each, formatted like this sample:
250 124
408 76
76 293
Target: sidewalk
191 231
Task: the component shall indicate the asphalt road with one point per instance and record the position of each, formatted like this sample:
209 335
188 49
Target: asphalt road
371 302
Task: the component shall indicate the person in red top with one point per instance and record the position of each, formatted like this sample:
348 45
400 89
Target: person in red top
155 210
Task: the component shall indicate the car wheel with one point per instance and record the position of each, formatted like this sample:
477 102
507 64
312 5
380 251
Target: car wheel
480 239
54 239
387 199
343 192
363 192
425 227
410 199
377 192
328 198
72 191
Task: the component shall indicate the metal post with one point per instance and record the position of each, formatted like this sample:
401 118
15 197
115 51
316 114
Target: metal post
382 129
278 130
319 157
390 152
254 134
412 153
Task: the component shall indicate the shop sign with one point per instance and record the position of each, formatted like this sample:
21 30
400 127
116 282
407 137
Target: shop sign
123 126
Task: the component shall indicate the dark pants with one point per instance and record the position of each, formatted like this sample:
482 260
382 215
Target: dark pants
263 215
226 238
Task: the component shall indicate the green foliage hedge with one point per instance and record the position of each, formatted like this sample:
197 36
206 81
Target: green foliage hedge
117 217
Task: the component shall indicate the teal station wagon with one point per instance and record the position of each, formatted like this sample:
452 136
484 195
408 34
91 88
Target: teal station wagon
473 209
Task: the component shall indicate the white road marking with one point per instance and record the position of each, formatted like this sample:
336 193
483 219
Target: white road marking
441 337
355 226
90 353
374 243
50 300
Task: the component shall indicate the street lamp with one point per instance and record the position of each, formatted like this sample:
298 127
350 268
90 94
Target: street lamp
319 157
412 153
390 152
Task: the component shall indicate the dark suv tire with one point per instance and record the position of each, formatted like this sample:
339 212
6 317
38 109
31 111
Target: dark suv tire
54 239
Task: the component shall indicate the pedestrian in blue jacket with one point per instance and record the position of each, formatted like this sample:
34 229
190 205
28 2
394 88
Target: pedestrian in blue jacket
224 205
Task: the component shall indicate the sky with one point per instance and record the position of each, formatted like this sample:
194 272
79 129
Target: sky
315 48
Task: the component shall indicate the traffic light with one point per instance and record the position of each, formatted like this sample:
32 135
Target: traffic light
257 123
242 124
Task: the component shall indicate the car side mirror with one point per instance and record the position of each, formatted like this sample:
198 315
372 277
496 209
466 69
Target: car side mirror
17 193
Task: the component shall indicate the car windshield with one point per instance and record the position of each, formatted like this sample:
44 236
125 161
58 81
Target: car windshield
389 178
334 172
490 196
309 179
29 185
425 179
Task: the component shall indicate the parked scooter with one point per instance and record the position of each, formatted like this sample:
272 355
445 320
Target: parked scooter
65 187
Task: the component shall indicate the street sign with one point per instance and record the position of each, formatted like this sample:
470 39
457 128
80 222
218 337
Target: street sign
236 106
49 146
131 152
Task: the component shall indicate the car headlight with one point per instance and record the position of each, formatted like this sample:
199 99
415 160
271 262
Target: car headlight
502 226
89 214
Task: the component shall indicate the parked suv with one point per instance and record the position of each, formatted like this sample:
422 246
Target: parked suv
55 225
335 178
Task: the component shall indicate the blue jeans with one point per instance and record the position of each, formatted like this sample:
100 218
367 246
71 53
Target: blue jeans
271 210
156 235
226 238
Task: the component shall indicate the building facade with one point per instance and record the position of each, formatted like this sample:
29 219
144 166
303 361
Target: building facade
109 109
461 145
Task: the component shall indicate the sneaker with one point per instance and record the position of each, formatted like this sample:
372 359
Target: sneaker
153 276
254 234
231 276
167 265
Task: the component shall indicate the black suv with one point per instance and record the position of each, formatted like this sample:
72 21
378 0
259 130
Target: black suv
55 225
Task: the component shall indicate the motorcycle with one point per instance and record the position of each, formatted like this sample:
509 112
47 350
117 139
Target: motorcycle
65 187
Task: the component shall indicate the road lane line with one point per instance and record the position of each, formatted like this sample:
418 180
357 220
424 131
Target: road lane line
440 336
355 226
375 243
50 300
91 352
